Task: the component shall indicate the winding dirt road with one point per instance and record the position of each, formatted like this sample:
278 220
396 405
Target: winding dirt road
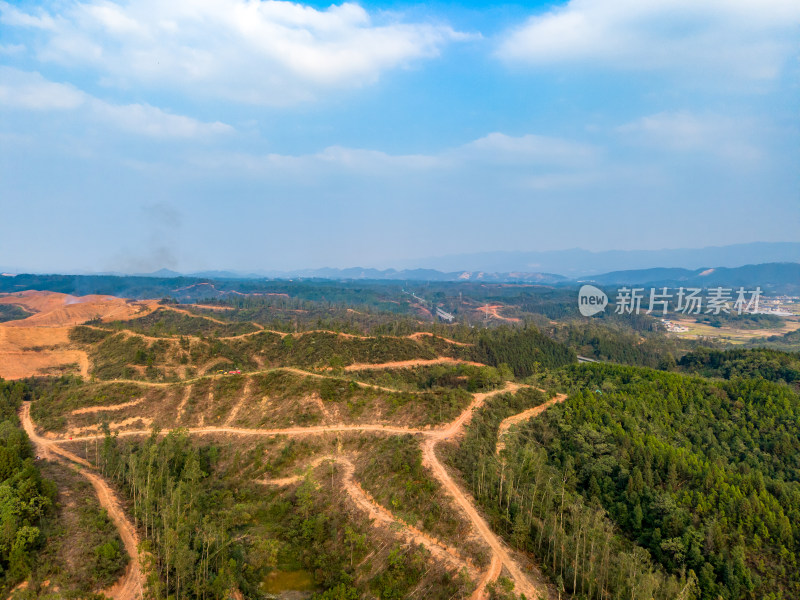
288 431
506 424
106 407
530 584
417 336
421 334
525 583
129 586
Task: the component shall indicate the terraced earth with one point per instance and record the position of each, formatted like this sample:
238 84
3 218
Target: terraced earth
139 379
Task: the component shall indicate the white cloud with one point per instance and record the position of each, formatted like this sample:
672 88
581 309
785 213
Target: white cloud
262 52
528 149
10 15
143 119
561 181
333 159
708 134
526 155
11 49
31 91
746 37
373 160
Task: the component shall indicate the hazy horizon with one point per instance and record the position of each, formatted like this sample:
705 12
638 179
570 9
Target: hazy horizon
569 262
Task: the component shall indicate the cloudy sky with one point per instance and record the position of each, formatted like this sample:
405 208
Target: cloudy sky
247 134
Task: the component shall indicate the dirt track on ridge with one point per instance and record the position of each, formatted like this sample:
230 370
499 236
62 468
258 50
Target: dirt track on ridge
422 334
405 364
506 424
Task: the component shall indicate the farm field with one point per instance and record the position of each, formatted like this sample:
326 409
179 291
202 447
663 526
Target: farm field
733 335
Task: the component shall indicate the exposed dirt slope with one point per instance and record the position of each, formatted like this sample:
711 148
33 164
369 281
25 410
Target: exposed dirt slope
492 310
53 309
28 351
39 344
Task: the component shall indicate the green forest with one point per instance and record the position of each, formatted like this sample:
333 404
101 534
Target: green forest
704 475
26 499
772 365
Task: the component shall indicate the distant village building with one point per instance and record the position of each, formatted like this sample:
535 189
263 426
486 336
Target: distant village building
673 327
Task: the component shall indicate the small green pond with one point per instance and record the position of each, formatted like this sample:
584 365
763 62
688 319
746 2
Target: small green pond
286 581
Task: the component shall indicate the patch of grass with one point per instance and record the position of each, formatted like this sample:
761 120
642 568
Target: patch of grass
323 350
55 398
11 312
169 323
115 356
88 335
426 378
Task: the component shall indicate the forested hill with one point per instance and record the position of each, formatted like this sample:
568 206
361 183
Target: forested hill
771 365
525 351
705 475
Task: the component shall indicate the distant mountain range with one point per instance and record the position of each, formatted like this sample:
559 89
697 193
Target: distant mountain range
577 263
356 273
550 267
780 277
774 266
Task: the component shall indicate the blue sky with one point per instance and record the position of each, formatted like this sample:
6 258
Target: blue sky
238 134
